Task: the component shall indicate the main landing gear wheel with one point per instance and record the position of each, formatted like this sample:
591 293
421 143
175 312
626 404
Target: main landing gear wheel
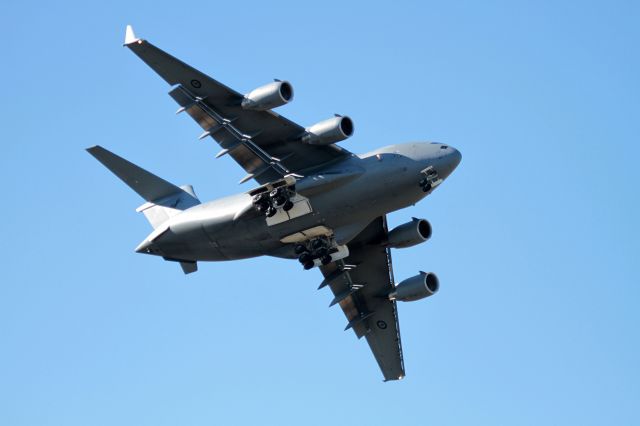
262 203
268 203
322 252
305 258
280 196
318 244
288 205
318 248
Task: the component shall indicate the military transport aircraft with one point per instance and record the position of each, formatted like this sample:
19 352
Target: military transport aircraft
317 202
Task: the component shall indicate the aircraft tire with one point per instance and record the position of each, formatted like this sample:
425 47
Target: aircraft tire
317 244
321 252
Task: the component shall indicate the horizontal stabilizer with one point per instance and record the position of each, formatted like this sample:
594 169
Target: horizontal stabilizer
147 185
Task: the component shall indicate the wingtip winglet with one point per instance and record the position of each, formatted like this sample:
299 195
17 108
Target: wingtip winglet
130 36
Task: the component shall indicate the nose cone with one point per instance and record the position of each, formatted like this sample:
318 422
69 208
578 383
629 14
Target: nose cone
449 162
456 158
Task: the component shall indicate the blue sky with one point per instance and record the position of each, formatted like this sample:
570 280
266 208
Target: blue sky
536 235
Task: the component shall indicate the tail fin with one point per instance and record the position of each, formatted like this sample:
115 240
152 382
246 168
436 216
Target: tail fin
164 199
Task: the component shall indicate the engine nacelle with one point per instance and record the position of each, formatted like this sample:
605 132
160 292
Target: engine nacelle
411 233
422 285
329 131
269 96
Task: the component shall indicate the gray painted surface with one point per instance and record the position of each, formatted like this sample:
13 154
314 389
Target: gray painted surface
347 197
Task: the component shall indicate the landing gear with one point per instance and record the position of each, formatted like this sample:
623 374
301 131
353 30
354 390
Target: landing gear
288 205
279 196
306 259
322 252
268 203
318 248
429 180
318 244
261 203
325 260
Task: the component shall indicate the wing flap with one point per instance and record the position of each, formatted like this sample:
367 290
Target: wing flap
270 133
258 163
369 311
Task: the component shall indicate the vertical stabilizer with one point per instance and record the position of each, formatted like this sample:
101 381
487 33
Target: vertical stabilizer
159 211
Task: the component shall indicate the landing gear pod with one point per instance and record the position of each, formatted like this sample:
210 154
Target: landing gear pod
319 251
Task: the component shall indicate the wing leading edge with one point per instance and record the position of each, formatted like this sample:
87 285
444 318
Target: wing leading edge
264 143
360 285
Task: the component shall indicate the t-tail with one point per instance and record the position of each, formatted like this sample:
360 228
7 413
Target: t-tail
163 199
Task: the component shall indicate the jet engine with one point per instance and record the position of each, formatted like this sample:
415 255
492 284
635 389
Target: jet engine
411 233
269 96
423 285
329 131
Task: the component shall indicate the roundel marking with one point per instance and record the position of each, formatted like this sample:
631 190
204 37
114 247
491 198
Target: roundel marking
196 84
381 325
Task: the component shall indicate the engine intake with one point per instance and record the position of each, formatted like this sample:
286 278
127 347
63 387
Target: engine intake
269 96
423 285
409 234
329 131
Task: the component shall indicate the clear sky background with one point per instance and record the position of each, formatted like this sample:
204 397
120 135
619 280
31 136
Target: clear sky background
536 235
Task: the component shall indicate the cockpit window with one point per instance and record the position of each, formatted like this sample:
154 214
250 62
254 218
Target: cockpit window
444 147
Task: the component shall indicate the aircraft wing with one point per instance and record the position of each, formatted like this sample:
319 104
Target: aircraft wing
360 284
267 145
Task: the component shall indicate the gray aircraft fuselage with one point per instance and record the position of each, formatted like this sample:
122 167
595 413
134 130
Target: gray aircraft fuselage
350 194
